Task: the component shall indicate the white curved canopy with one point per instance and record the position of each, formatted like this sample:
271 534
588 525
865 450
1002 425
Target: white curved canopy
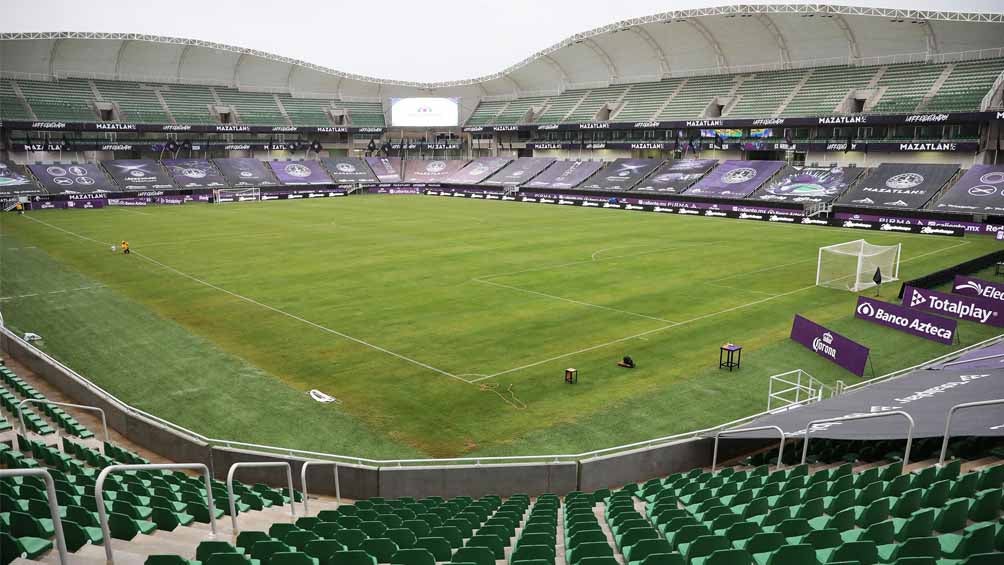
687 42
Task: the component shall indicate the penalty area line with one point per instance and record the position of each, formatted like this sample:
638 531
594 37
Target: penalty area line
270 308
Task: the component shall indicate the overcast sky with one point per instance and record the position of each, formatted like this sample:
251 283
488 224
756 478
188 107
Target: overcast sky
427 41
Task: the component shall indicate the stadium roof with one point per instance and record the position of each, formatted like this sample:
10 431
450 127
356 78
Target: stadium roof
731 38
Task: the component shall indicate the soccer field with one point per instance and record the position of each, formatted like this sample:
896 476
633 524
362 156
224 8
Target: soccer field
442 325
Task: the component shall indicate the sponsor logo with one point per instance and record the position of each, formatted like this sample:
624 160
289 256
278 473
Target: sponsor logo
474 129
547 127
547 146
115 126
936 231
328 129
369 130
285 128
745 216
176 127
928 147
870 311
566 202
959 307
891 227
602 125
842 120
711 213
688 211
840 146
647 124
904 181
590 204
661 209
853 224
784 219
927 118
740 175
298 170
609 205
982 190
48 125
986 291
824 345
233 128
633 207
505 128
238 147
647 146
704 123
596 145
768 122
116 147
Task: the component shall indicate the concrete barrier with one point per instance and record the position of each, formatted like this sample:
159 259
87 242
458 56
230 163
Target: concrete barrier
356 481
476 480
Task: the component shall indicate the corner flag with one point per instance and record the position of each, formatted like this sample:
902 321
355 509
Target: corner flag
877 278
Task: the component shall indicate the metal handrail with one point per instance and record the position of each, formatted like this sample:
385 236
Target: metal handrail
780 450
50 493
948 421
24 431
909 432
303 482
230 485
103 513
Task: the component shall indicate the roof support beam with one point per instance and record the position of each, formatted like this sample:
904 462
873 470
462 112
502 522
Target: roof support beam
720 60
181 60
930 37
660 55
852 42
118 57
516 87
590 43
237 70
52 56
772 29
289 78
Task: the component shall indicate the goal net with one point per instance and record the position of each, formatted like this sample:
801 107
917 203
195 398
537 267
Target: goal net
229 195
851 266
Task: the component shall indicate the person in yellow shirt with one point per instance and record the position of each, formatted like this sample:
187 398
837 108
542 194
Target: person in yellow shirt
19 208
125 247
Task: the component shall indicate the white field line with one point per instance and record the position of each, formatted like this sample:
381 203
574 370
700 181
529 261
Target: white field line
935 251
128 209
740 289
61 291
763 270
268 307
579 302
645 333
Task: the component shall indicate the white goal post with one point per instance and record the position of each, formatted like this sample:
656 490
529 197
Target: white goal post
851 266
230 195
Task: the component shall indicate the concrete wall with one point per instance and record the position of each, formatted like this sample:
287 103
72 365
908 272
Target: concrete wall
356 481
477 480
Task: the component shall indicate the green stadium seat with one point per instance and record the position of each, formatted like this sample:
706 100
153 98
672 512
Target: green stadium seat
352 557
166 559
474 555
863 552
263 551
976 539
415 556
381 548
351 538
440 548
247 538
532 552
300 538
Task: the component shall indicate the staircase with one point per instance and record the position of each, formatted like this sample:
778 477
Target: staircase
164 106
793 94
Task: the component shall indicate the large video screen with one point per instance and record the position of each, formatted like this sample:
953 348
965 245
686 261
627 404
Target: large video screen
424 112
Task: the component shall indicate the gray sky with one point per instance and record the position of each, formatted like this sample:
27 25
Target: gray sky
396 39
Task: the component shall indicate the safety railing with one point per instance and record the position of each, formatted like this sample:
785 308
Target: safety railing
24 431
246 464
50 494
951 414
103 512
909 432
780 449
303 482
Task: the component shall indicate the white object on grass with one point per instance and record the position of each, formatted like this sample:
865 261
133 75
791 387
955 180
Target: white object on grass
321 397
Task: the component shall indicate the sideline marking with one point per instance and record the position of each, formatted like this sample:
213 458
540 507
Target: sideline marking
61 291
268 307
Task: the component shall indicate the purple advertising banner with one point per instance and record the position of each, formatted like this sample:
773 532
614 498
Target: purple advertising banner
899 185
931 225
519 171
478 170
970 286
431 171
77 204
735 179
194 173
81 177
676 176
972 308
138 174
14 181
810 184
898 317
293 173
244 171
349 169
621 174
980 190
830 345
386 169
565 174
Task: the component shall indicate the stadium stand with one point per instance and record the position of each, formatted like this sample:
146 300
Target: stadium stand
486 112
965 87
12 107
586 110
64 100
136 102
363 113
904 86
762 94
554 109
644 100
189 103
256 108
696 95
305 111
825 89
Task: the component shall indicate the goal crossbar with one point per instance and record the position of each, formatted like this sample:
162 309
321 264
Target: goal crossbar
231 195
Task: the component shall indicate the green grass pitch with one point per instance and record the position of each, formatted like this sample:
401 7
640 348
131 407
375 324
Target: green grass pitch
442 325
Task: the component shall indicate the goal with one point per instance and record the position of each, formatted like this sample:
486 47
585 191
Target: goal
851 266
228 195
